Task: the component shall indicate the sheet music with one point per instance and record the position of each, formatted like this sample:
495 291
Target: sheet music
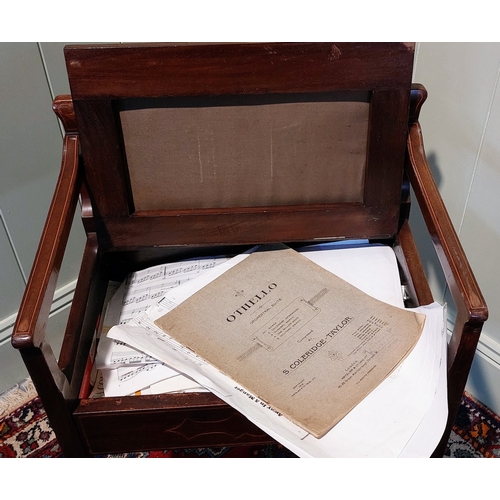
180 383
306 341
415 383
144 288
124 369
123 380
382 425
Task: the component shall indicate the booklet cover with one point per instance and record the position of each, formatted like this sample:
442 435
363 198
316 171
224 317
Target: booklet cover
301 339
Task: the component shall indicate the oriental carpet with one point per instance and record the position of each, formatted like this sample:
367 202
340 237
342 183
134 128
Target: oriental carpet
26 432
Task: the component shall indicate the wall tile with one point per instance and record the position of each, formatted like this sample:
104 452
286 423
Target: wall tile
464 104
11 277
30 141
460 79
31 146
53 56
480 233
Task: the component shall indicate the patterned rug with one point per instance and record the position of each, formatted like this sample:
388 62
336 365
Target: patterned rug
25 432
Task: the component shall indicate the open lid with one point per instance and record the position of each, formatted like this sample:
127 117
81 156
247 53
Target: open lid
242 143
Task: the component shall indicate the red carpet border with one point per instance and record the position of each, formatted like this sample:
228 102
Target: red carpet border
25 432
478 428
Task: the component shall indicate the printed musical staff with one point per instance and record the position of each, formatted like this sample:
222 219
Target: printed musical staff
126 370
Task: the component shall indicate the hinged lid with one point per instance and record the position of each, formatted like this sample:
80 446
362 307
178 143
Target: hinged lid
242 143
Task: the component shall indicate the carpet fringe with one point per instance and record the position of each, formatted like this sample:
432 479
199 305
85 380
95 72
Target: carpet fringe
17 396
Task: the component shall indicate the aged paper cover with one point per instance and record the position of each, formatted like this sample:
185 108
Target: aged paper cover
301 339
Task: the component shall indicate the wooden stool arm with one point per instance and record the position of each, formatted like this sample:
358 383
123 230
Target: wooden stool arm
29 329
472 311
457 271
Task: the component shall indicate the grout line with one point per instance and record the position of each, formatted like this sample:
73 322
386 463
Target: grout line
49 82
476 161
415 61
44 64
13 248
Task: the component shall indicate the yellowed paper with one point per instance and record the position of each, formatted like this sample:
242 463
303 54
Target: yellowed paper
305 342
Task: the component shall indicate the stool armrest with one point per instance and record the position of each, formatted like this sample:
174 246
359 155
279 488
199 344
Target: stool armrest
29 329
471 306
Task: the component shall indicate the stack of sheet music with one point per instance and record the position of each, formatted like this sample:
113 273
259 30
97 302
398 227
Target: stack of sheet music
119 369
404 416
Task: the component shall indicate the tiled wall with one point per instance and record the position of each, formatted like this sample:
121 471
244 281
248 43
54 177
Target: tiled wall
461 124
30 157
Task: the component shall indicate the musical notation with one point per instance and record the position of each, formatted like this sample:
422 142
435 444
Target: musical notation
125 358
124 368
127 374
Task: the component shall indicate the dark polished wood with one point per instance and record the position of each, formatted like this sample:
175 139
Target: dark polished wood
240 226
173 421
216 69
34 311
120 72
121 239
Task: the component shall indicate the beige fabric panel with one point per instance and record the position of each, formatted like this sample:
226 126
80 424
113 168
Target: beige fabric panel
284 153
